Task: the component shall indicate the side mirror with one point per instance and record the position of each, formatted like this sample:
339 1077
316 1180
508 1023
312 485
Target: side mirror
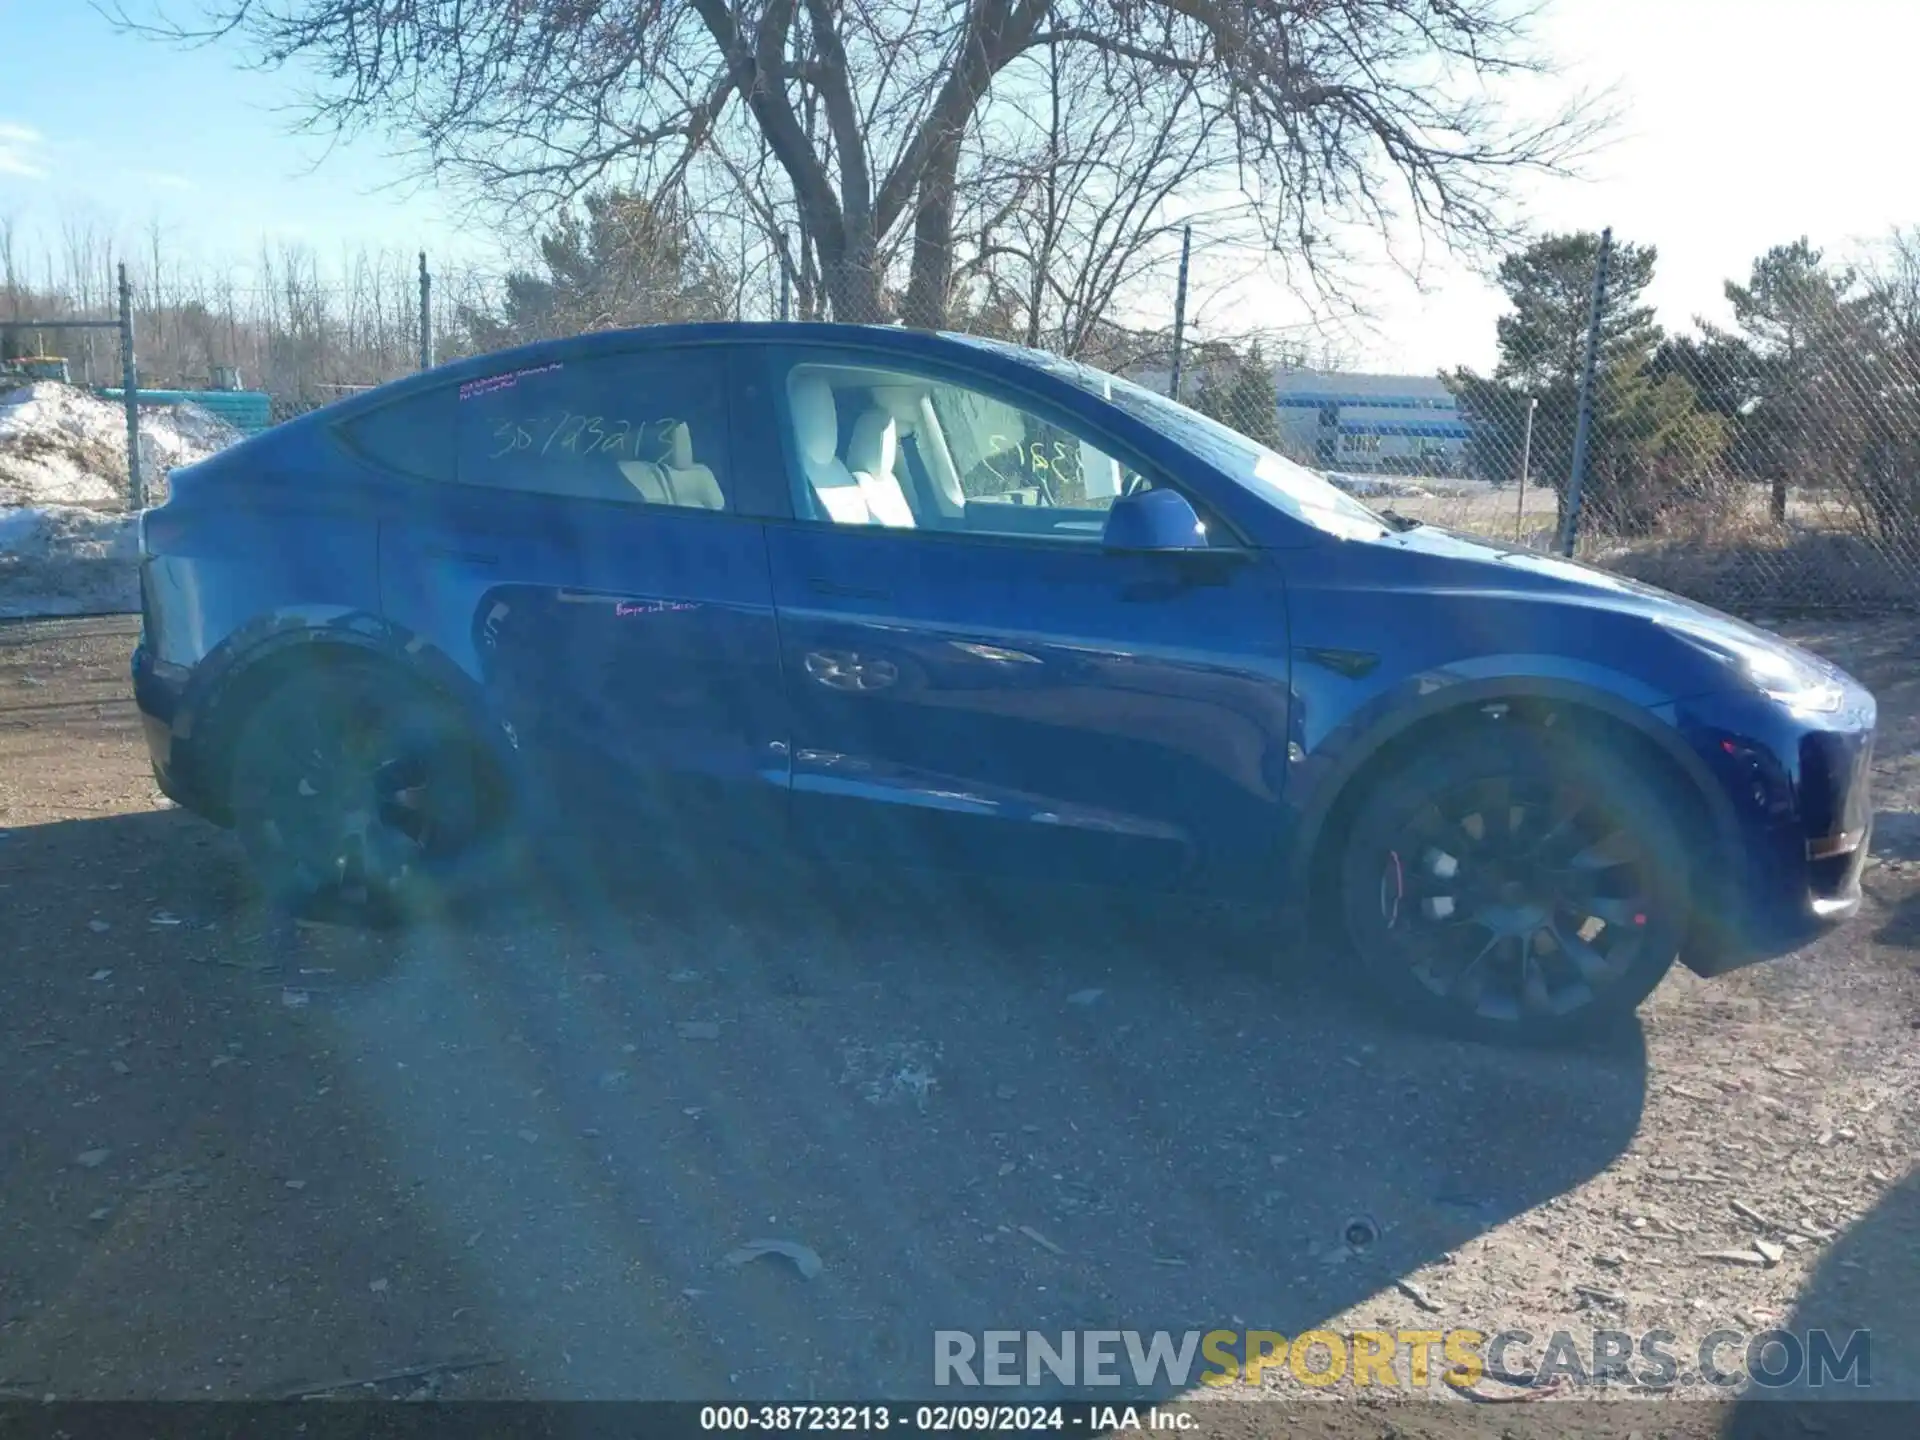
1153 520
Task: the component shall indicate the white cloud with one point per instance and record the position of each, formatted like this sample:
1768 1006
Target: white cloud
18 147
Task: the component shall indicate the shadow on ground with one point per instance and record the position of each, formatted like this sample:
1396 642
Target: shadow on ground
1868 1282
244 1158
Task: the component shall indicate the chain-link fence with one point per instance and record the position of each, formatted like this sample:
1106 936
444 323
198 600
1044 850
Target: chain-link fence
1775 468
1771 491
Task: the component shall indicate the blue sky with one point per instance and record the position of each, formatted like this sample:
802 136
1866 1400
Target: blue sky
123 130
1746 123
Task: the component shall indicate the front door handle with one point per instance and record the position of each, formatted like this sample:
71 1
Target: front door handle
847 592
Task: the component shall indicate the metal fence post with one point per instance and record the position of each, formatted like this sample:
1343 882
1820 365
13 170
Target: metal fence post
1584 425
1526 462
426 315
130 396
1180 310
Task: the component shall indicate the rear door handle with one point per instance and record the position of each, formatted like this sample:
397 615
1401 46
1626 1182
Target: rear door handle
466 557
847 592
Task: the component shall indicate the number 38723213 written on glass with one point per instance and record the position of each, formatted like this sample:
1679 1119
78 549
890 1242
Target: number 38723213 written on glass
578 435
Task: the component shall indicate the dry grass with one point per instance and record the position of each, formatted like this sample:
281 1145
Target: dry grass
1724 549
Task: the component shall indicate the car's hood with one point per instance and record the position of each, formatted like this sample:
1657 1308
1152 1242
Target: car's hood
1500 568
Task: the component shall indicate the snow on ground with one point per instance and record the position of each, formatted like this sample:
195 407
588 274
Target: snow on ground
67 560
67 541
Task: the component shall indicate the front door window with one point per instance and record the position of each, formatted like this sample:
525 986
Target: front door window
881 448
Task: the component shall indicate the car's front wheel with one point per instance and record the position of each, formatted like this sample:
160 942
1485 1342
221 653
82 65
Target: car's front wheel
357 795
1515 884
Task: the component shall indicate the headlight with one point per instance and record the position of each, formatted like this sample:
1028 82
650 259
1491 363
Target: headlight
1775 673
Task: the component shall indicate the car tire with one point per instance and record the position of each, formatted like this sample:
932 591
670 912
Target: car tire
359 797
1514 885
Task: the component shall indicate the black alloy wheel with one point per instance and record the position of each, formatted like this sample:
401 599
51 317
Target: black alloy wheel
1515 886
355 795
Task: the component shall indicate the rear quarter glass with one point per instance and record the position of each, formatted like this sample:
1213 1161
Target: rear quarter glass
411 436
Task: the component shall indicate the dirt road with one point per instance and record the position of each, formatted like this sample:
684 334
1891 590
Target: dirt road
511 1158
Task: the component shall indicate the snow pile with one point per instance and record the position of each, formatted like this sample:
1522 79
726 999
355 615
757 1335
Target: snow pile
67 560
67 542
192 433
61 445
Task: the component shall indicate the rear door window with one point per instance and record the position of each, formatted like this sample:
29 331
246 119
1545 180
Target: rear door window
640 428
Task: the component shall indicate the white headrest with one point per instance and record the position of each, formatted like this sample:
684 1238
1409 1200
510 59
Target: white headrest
900 401
816 424
679 446
870 450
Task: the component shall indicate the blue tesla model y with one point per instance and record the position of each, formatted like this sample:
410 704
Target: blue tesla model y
872 593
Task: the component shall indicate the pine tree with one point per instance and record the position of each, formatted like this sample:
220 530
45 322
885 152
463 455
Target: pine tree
1652 442
1238 390
624 262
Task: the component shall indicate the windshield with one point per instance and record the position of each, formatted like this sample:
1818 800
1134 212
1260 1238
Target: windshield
1280 482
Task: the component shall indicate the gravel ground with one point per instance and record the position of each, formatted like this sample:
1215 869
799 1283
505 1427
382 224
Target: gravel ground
510 1157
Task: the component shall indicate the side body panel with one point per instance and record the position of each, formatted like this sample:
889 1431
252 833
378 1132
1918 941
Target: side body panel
630 655
1058 712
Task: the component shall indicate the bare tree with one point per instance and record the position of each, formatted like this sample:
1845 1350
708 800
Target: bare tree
851 117
10 276
306 331
1073 198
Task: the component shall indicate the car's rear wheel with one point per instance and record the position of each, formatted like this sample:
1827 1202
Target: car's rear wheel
1515 884
357 796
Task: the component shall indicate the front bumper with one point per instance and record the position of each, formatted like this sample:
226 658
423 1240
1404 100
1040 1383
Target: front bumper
1795 818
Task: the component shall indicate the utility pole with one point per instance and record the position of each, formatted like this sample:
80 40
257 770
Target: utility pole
1180 310
426 315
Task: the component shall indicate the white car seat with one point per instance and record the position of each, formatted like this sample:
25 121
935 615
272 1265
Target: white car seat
691 485
870 456
647 478
675 479
816 433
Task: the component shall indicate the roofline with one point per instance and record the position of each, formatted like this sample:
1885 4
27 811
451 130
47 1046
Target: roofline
898 338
